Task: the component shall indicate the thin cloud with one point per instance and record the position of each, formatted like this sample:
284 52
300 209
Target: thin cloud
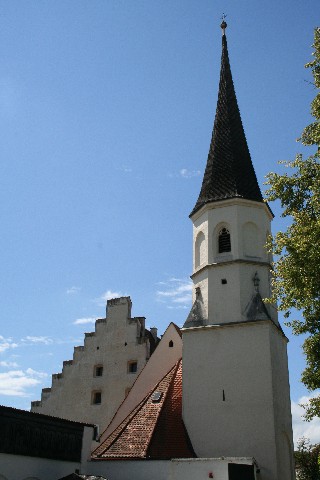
176 294
8 364
84 321
73 290
6 344
185 173
17 382
126 169
30 340
301 428
108 295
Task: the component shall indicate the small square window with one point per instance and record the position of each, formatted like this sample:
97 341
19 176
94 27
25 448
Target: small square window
98 370
96 398
132 367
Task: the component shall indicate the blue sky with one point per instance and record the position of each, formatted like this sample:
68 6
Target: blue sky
106 113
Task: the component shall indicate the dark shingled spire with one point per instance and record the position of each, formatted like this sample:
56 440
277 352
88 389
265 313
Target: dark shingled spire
229 172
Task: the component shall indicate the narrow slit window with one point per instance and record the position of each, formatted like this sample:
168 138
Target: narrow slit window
224 240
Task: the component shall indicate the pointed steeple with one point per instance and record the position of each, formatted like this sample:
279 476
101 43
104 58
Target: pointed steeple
229 172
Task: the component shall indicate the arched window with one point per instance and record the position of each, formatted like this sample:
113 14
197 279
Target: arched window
224 240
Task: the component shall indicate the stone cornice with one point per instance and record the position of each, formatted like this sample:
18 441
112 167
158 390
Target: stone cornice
247 323
231 262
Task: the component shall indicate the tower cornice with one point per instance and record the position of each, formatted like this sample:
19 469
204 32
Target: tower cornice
225 263
226 202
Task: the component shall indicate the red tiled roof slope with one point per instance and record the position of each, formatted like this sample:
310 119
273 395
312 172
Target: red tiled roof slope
154 429
170 438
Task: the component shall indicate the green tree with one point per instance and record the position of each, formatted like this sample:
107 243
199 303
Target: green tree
307 460
296 276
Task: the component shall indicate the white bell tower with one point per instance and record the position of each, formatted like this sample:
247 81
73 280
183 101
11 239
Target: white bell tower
236 398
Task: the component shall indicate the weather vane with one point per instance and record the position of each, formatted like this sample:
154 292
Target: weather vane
224 23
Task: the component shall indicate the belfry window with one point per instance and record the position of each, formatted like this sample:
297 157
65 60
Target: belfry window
224 241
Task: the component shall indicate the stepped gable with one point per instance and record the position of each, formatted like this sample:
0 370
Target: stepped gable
154 429
229 171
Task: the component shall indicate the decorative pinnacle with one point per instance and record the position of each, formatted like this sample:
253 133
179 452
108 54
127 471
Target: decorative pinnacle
223 24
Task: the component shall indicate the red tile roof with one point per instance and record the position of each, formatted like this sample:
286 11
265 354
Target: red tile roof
154 429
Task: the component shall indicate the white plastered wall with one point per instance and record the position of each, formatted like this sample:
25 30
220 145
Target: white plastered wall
116 341
175 469
249 224
230 404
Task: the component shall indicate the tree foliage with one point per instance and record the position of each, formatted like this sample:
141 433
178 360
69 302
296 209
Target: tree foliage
307 459
296 275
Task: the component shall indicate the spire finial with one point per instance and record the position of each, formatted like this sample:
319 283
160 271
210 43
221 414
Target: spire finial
223 24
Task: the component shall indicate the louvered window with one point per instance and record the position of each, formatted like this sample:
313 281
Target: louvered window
224 240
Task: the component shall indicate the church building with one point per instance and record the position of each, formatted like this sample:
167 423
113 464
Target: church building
210 400
229 399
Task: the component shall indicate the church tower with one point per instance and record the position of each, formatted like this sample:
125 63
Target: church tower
236 399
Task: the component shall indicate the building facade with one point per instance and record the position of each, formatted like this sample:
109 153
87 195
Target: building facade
92 385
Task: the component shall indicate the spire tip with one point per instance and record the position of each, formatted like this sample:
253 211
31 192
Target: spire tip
223 24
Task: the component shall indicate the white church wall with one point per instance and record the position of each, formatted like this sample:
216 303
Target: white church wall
81 392
226 279
130 469
175 469
282 404
228 398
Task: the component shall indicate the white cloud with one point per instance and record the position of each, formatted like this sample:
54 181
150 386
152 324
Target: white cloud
29 339
35 373
8 364
301 428
185 173
108 295
73 290
84 321
6 343
17 382
126 169
177 294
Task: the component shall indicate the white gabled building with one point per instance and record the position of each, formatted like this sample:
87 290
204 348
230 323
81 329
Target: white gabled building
92 385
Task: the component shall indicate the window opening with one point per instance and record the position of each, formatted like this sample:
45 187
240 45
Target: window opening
171 344
98 371
224 240
96 398
132 367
